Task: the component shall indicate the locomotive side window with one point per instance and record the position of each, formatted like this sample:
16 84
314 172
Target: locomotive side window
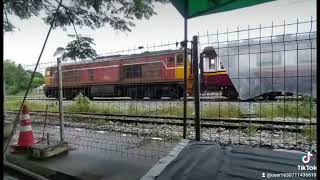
132 71
55 76
91 74
67 76
179 59
170 61
76 76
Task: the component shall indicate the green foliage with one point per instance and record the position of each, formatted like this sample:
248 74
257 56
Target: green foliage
82 104
80 48
251 130
38 79
222 111
14 105
173 111
17 78
8 26
119 14
306 108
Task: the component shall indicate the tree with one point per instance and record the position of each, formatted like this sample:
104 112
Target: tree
17 78
80 48
91 13
38 78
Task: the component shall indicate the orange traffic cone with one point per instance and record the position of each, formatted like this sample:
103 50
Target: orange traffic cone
26 138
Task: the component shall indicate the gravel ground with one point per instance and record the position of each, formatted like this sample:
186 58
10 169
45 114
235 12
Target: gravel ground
273 139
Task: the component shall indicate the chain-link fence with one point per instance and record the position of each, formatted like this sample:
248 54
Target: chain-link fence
259 90
264 80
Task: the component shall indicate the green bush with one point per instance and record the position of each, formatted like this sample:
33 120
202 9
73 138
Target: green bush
17 78
81 104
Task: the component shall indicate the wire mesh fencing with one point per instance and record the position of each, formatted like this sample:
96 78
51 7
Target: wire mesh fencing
263 85
117 103
259 90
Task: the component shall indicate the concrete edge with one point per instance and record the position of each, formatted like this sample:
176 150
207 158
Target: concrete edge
38 169
164 162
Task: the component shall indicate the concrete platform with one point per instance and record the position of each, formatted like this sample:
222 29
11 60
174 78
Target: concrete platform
46 149
85 166
196 160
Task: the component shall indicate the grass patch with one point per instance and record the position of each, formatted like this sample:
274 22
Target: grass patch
33 92
82 104
14 105
302 109
172 111
135 110
222 111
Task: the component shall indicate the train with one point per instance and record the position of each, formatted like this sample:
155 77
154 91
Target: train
150 74
240 70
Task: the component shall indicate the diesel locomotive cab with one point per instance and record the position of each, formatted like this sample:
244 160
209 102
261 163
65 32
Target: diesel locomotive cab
213 75
208 54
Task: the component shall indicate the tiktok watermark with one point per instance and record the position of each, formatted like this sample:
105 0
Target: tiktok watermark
304 171
306 159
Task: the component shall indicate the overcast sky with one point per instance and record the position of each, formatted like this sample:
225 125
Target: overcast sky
24 46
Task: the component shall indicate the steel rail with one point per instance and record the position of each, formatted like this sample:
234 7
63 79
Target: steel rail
179 121
189 123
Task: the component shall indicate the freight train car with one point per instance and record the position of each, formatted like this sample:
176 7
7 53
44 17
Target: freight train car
283 65
154 75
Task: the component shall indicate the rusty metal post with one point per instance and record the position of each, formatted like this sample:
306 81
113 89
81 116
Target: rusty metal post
60 100
196 86
4 107
185 77
48 139
4 100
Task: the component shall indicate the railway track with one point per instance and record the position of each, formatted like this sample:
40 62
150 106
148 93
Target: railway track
230 123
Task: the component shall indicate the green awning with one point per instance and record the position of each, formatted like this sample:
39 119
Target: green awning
193 8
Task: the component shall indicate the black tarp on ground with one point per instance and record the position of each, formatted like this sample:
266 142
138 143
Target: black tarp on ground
209 161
